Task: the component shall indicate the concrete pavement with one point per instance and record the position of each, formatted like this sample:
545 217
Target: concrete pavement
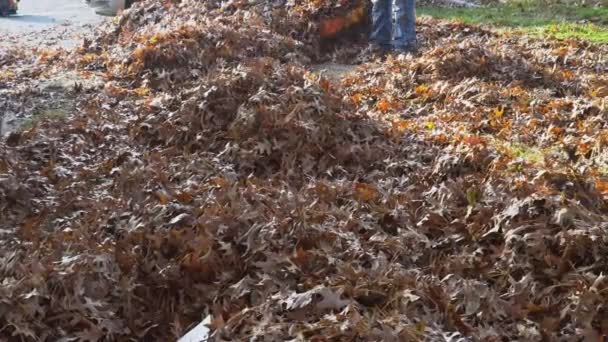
48 23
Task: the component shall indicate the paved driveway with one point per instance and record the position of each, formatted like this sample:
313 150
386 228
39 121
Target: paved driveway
48 23
42 24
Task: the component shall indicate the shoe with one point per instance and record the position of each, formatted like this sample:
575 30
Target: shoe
403 53
105 11
406 50
374 51
377 48
98 3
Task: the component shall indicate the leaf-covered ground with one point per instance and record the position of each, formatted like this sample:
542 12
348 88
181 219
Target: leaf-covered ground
455 195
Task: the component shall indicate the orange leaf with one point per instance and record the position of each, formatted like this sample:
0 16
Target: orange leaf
383 105
325 84
331 27
601 186
184 197
162 196
583 148
400 126
366 192
567 74
356 98
556 131
474 140
219 181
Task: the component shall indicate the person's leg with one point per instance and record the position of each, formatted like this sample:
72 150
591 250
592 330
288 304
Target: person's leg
4 8
405 20
381 23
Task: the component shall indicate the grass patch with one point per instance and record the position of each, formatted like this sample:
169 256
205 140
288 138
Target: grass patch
530 154
557 20
56 114
589 32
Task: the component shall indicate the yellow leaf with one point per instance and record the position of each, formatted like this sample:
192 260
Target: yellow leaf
429 125
498 112
516 91
422 89
420 327
599 92
6 74
142 91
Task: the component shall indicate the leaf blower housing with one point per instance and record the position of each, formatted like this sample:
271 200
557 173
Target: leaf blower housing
346 24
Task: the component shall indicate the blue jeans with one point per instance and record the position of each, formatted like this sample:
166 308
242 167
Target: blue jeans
403 35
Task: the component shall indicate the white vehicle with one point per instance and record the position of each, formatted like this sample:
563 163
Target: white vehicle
109 7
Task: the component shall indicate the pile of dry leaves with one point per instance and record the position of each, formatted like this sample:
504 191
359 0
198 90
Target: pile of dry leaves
453 196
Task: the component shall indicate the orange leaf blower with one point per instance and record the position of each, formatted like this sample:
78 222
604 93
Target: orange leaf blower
337 25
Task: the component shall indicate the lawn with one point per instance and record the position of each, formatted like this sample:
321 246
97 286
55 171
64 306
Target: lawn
561 21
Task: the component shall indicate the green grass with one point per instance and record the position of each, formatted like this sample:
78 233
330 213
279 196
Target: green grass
528 153
56 114
557 20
